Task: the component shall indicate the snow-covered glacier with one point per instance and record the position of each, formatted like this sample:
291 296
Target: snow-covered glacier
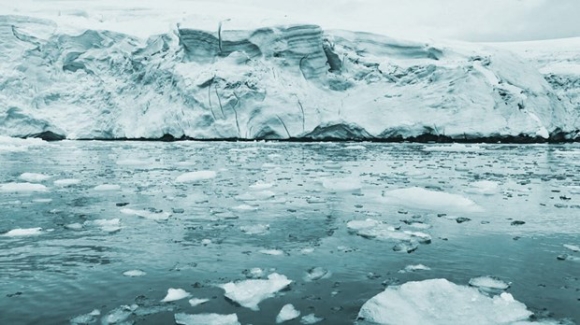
269 82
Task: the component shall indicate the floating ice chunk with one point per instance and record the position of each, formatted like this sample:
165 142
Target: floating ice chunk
483 187
22 188
254 273
489 284
85 319
194 302
119 315
107 187
440 302
371 228
310 319
197 176
413 268
288 312
317 273
260 186
355 147
249 293
455 147
342 184
244 207
33 178
416 197
275 252
175 294
9 144
206 319
306 251
134 273
67 182
158 216
74 226
206 242
107 225
42 200
573 248
20 232
255 229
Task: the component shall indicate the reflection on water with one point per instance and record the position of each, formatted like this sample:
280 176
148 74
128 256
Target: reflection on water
290 199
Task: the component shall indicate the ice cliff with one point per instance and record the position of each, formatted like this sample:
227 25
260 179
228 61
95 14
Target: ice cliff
270 82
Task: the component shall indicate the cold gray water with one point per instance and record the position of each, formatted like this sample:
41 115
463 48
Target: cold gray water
505 211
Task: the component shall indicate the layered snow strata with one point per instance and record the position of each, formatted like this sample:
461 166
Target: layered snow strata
268 82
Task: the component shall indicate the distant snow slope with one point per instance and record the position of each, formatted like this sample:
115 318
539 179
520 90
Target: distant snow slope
265 82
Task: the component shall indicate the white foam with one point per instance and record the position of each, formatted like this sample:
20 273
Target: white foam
20 232
158 216
134 273
288 312
22 188
194 302
197 176
107 187
250 293
206 319
67 182
33 178
175 294
439 301
416 197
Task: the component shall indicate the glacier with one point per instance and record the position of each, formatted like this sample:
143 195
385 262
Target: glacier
279 82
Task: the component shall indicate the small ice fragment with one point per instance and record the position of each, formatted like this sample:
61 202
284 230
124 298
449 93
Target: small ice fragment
33 178
74 226
288 312
573 248
42 200
249 293
275 252
158 216
254 273
260 186
488 283
175 294
255 229
244 207
107 187
206 319
107 225
317 273
197 176
416 197
89 318
310 319
413 268
355 147
194 302
67 182
406 247
342 184
19 232
306 251
22 188
134 273
206 242
484 187
119 315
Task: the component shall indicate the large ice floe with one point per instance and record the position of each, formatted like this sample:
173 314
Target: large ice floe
250 293
96 76
440 302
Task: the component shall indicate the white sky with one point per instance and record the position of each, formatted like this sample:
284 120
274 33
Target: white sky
472 20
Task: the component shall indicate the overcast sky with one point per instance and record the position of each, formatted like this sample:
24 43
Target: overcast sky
471 20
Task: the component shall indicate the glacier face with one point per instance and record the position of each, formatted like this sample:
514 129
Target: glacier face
272 82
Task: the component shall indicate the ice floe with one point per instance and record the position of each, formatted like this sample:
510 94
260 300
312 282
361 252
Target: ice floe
483 187
342 184
317 273
134 273
194 302
417 197
147 214
274 252
440 302
85 319
489 284
310 319
257 229
573 248
33 177
197 176
175 294
206 319
259 186
22 232
107 187
67 182
249 293
414 268
455 147
119 315
107 225
288 312
10 144
22 188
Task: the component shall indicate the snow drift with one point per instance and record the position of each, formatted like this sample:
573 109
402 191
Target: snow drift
268 82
